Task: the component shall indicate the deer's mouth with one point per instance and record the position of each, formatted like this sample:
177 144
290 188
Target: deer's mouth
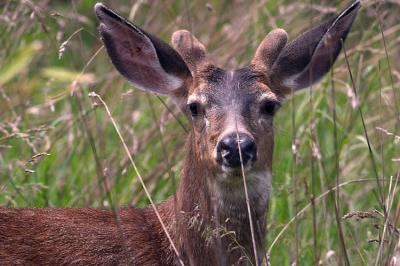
236 171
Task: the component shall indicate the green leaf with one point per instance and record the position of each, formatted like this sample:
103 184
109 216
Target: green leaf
66 75
18 62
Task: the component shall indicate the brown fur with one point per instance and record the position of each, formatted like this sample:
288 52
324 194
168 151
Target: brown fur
129 236
81 237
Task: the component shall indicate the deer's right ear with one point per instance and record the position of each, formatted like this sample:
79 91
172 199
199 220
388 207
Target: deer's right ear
144 60
306 59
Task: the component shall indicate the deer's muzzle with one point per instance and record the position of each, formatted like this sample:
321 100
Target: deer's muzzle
236 149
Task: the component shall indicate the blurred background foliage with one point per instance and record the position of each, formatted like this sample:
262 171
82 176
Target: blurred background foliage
57 145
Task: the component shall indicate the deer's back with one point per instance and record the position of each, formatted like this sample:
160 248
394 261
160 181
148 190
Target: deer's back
79 237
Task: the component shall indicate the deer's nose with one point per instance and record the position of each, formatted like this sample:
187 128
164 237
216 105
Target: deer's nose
228 150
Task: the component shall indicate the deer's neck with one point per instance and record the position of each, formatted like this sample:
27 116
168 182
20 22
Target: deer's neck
213 221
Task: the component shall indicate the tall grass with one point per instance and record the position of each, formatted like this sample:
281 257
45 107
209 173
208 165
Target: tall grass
59 149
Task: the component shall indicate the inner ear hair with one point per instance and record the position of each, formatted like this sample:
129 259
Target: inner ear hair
143 59
305 60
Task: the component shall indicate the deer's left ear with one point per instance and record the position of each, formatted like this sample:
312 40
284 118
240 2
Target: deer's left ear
141 58
309 57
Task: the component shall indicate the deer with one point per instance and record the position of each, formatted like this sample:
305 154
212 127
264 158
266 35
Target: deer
210 220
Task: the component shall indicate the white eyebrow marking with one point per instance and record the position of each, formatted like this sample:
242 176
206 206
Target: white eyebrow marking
201 98
269 95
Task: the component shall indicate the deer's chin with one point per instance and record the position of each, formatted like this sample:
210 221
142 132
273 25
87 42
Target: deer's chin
233 177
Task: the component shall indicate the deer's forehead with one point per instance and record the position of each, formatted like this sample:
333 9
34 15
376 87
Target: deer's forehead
222 87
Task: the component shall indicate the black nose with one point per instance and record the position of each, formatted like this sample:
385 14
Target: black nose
228 150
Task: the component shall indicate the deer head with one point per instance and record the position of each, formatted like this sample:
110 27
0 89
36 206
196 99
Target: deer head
221 103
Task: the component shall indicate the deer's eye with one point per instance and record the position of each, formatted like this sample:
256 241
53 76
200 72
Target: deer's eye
269 107
195 109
